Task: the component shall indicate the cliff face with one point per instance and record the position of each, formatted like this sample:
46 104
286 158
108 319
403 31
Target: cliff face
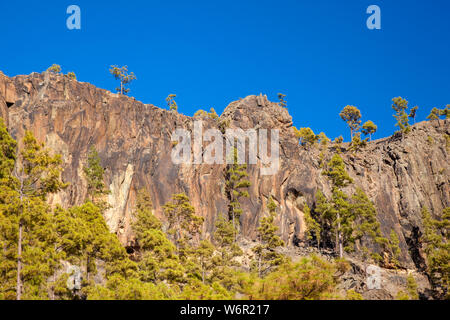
134 142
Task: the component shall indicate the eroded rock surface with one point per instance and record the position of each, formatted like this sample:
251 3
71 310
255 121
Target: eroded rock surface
134 142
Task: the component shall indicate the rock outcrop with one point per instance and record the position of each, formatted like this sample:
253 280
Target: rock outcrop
400 174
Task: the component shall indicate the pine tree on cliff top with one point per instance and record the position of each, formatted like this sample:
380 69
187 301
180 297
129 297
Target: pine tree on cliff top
352 116
400 106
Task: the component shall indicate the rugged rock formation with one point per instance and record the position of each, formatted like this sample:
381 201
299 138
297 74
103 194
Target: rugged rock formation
134 141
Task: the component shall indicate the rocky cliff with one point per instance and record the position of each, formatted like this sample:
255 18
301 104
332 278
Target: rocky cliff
400 174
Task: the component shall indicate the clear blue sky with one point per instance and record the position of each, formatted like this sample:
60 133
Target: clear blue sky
319 53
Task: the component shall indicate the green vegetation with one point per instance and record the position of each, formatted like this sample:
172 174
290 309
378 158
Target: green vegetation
400 107
412 113
236 186
434 114
211 114
282 102
72 75
171 104
357 143
93 172
369 128
123 76
352 116
306 136
266 254
435 238
54 68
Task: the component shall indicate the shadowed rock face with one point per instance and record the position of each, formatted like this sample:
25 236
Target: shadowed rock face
134 142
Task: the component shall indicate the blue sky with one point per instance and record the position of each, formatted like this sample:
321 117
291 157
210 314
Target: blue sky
319 53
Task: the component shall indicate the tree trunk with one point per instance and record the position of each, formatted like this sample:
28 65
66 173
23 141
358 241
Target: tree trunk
19 264
339 235
19 245
87 269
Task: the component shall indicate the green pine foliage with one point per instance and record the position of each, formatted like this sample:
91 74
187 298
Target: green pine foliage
400 107
369 128
184 224
265 251
93 171
282 102
309 279
436 236
306 137
171 104
54 68
314 230
123 76
413 113
236 187
367 230
352 116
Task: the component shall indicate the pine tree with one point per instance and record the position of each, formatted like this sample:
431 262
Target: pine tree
55 68
436 236
235 188
313 227
269 241
352 116
357 143
341 216
203 255
412 113
445 112
323 142
157 259
123 76
306 136
27 177
213 114
184 224
400 106
171 104
369 128
412 287
72 75
309 279
94 172
434 114
338 142
394 246
282 100
227 251
38 175
325 211
366 225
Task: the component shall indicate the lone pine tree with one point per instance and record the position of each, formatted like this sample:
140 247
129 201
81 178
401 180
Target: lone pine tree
352 116
265 251
94 172
400 106
369 128
340 214
27 177
235 188
123 76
